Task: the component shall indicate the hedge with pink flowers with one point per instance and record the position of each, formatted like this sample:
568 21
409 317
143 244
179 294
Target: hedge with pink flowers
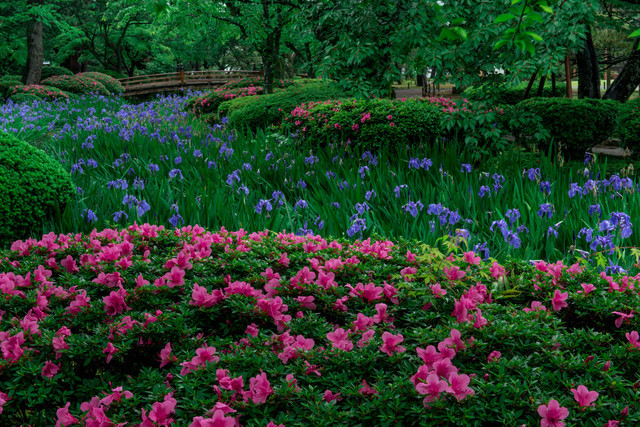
162 327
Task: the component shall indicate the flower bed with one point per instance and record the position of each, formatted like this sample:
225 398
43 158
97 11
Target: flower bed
39 91
191 327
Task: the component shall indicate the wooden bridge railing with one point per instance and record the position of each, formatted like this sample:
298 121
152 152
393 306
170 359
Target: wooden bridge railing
158 82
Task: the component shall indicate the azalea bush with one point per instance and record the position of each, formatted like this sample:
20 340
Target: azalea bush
36 91
55 70
151 326
110 83
77 84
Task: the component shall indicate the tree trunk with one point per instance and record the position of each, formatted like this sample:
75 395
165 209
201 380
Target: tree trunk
35 53
628 79
588 69
530 85
543 80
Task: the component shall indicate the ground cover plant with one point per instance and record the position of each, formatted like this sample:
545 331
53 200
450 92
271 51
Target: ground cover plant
152 162
151 326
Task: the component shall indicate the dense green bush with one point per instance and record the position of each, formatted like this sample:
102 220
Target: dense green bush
575 124
629 122
54 70
511 95
6 87
18 92
110 83
33 187
208 103
272 109
77 84
11 78
370 124
19 98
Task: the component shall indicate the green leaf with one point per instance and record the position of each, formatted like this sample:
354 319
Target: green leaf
504 17
636 33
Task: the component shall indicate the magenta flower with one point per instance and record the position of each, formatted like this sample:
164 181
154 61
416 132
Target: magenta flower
50 369
260 388
64 417
432 387
390 343
329 396
587 288
552 414
634 338
454 273
166 357
583 396
340 339
623 317
109 350
494 356
459 386
559 300
366 389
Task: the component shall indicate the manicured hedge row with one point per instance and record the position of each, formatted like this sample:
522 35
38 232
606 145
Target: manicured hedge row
54 70
110 83
368 124
575 124
629 123
268 110
513 95
19 93
76 84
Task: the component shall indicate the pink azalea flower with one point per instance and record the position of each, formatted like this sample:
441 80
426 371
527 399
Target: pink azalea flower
260 388
366 337
459 386
432 387
161 411
634 338
64 417
366 389
552 414
390 343
166 357
109 350
454 273
494 356
437 290
50 369
4 398
624 317
583 396
329 396
497 270
535 306
587 288
559 300
471 258
340 339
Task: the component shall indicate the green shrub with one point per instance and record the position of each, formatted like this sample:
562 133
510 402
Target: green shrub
54 70
575 124
116 75
77 84
39 91
369 124
11 78
6 86
33 187
208 103
629 122
512 95
19 98
110 83
268 110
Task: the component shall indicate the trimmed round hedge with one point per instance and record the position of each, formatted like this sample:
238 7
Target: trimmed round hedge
368 124
110 83
629 122
54 70
19 93
575 124
512 95
33 187
76 84
268 110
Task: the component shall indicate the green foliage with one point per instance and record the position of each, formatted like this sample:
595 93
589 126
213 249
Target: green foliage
368 124
512 95
629 122
77 84
268 110
33 188
6 87
54 70
39 91
110 83
19 98
575 124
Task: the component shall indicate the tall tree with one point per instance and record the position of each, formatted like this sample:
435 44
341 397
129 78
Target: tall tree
35 46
